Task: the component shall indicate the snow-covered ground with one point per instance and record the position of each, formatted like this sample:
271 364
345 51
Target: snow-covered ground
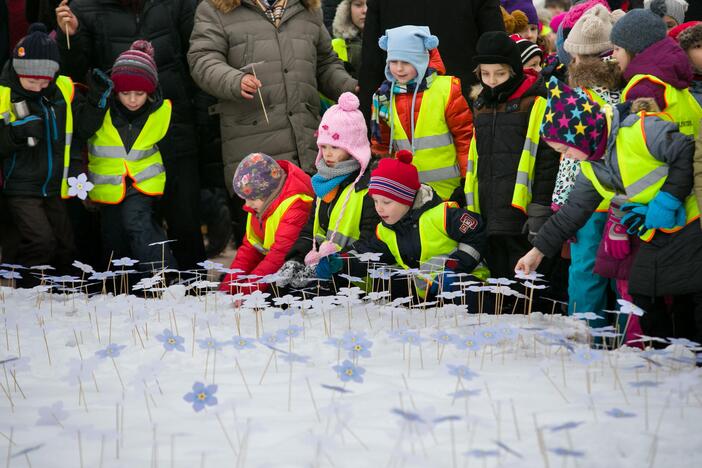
130 382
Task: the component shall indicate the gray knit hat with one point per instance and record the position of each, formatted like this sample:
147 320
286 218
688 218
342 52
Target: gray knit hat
638 30
590 35
36 55
674 8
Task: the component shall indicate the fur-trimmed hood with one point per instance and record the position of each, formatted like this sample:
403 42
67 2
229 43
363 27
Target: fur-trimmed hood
592 72
342 26
225 6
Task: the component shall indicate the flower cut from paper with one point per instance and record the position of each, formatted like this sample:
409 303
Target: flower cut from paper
201 396
111 351
348 371
171 341
79 186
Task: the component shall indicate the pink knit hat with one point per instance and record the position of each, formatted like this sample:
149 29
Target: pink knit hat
344 126
573 15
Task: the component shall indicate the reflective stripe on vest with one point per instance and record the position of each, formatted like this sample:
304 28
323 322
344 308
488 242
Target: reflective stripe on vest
339 46
109 163
271 224
642 174
65 86
342 230
436 245
680 105
433 148
521 197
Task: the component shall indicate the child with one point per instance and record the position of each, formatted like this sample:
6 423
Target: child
343 213
35 147
420 109
125 165
348 29
690 40
532 55
587 44
531 31
640 147
417 230
672 11
515 21
511 174
640 40
278 199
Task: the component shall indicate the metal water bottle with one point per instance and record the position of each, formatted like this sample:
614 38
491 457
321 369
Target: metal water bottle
21 110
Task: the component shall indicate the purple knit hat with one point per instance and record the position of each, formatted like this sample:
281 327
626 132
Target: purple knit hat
525 6
258 176
574 120
135 69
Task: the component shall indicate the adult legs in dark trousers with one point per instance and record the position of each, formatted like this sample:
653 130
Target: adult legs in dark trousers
45 234
672 316
180 208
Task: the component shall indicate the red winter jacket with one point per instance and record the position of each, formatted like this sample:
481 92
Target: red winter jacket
458 116
250 260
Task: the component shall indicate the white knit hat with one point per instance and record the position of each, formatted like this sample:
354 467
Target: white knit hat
590 34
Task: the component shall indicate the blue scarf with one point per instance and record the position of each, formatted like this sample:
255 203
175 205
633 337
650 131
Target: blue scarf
323 186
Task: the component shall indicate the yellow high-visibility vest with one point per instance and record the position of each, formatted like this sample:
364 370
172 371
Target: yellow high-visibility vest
349 225
65 86
680 105
436 246
434 154
339 46
642 174
521 197
271 224
109 162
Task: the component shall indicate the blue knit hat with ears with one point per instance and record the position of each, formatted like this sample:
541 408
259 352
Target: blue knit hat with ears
409 44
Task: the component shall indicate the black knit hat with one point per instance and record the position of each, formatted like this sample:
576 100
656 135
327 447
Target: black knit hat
498 47
36 55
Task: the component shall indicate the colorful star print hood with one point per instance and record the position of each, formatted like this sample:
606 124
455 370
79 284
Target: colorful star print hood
574 120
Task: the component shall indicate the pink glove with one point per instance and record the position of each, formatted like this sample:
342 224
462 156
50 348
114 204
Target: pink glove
615 238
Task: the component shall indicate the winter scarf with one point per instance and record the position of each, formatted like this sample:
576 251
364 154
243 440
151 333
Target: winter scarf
273 10
382 99
327 179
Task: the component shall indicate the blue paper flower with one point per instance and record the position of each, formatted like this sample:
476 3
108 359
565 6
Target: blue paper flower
461 371
470 342
359 348
617 413
171 341
465 393
352 336
479 453
112 351
270 339
586 356
488 335
292 331
293 357
348 371
407 415
209 343
411 338
335 388
240 343
644 384
201 396
567 426
443 337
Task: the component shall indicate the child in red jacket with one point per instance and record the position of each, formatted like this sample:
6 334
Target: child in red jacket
278 199
420 109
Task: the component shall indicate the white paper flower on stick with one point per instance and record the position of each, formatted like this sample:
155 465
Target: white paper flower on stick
79 186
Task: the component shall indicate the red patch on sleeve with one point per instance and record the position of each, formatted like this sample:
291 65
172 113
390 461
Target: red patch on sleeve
467 222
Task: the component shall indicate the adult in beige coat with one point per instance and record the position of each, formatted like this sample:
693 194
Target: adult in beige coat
293 62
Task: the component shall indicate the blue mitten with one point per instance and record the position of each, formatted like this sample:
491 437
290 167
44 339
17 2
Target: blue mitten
634 218
663 212
329 265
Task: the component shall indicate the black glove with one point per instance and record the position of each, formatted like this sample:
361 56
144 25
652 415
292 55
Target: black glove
31 126
537 217
100 87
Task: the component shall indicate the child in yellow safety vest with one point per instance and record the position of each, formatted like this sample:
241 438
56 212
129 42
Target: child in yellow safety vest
125 165
418 231
647 169
347 30
278 199
343 213
420 109
40 115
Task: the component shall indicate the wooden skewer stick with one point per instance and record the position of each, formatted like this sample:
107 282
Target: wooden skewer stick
260 96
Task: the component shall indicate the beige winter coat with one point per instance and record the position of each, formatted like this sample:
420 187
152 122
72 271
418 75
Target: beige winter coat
293 62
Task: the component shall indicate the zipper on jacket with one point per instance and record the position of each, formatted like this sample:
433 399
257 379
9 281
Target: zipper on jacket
49 150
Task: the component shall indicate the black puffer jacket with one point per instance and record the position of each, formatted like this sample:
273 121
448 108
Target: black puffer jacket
463 226
37 171
108 27
500 131
369 218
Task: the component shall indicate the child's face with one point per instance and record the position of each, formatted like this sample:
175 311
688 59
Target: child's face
494 74
34 84
403 72
132 100
358 13
568 151
530 33
534 63
333 155
389 210
694 53
622 57
256 204
670 22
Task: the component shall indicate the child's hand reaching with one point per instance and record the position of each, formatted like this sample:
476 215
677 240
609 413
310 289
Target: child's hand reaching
529 262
